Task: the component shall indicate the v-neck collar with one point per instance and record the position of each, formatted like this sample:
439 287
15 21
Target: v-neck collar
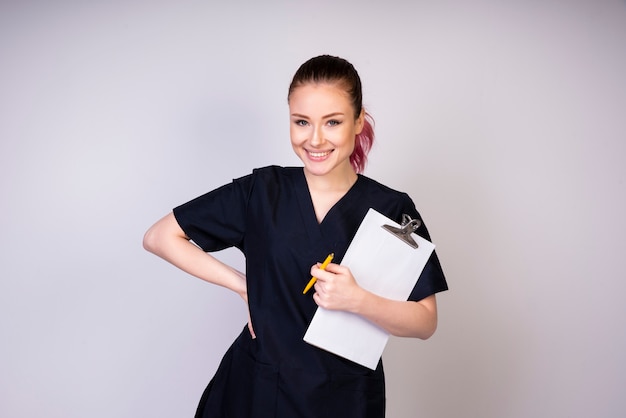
307 209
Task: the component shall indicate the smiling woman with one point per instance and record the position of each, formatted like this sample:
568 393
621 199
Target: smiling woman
285 220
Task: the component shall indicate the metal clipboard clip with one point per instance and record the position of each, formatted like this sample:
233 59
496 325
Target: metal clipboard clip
408 226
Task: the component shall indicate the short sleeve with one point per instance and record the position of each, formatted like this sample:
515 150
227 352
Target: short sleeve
217 219
432 279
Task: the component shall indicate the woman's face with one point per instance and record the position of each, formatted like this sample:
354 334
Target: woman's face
323 128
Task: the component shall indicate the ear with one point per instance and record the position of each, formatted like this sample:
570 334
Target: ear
360 121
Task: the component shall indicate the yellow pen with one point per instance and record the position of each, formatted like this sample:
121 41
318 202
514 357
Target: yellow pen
314 279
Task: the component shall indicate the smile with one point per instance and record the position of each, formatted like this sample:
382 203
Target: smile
319 154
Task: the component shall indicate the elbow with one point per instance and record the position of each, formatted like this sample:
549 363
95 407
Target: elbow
422 332
428 318
152 240
160 237
429 330
149 241
421 328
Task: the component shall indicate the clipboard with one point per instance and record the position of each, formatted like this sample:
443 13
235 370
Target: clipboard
386 259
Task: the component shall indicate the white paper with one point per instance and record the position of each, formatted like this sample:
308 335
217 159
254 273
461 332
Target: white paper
383 264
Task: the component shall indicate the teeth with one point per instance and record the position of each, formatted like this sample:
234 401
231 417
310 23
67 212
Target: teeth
319 154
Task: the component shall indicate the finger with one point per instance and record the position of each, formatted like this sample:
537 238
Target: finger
336 268
318 287
318 297
314 268
319 274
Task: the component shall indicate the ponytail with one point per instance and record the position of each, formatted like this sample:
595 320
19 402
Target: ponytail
362 144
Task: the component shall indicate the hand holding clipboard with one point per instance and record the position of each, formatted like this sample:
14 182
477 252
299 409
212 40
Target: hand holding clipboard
350 335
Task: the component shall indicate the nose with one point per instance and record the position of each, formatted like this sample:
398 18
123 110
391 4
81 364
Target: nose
317 137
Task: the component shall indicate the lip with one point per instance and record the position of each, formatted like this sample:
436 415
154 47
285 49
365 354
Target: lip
318 155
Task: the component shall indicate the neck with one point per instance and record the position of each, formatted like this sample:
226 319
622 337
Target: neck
336 181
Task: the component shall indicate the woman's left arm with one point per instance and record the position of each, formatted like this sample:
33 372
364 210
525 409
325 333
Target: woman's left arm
337 289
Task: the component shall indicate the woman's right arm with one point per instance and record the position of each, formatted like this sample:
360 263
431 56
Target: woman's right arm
167 240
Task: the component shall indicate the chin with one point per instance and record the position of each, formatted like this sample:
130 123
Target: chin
316 171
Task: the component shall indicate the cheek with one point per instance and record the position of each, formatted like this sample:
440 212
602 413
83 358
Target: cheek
346 137
294 135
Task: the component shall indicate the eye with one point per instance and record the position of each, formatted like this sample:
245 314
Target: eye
301 122
334 122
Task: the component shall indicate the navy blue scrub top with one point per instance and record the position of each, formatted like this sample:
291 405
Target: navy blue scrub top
270 217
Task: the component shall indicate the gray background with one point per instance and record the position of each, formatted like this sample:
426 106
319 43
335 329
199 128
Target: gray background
503 120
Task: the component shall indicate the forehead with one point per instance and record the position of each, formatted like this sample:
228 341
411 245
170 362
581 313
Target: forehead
316 95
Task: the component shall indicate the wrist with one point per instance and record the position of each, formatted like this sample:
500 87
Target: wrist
361 301
241 285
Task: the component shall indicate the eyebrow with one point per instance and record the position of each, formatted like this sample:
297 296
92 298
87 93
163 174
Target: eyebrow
330 115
